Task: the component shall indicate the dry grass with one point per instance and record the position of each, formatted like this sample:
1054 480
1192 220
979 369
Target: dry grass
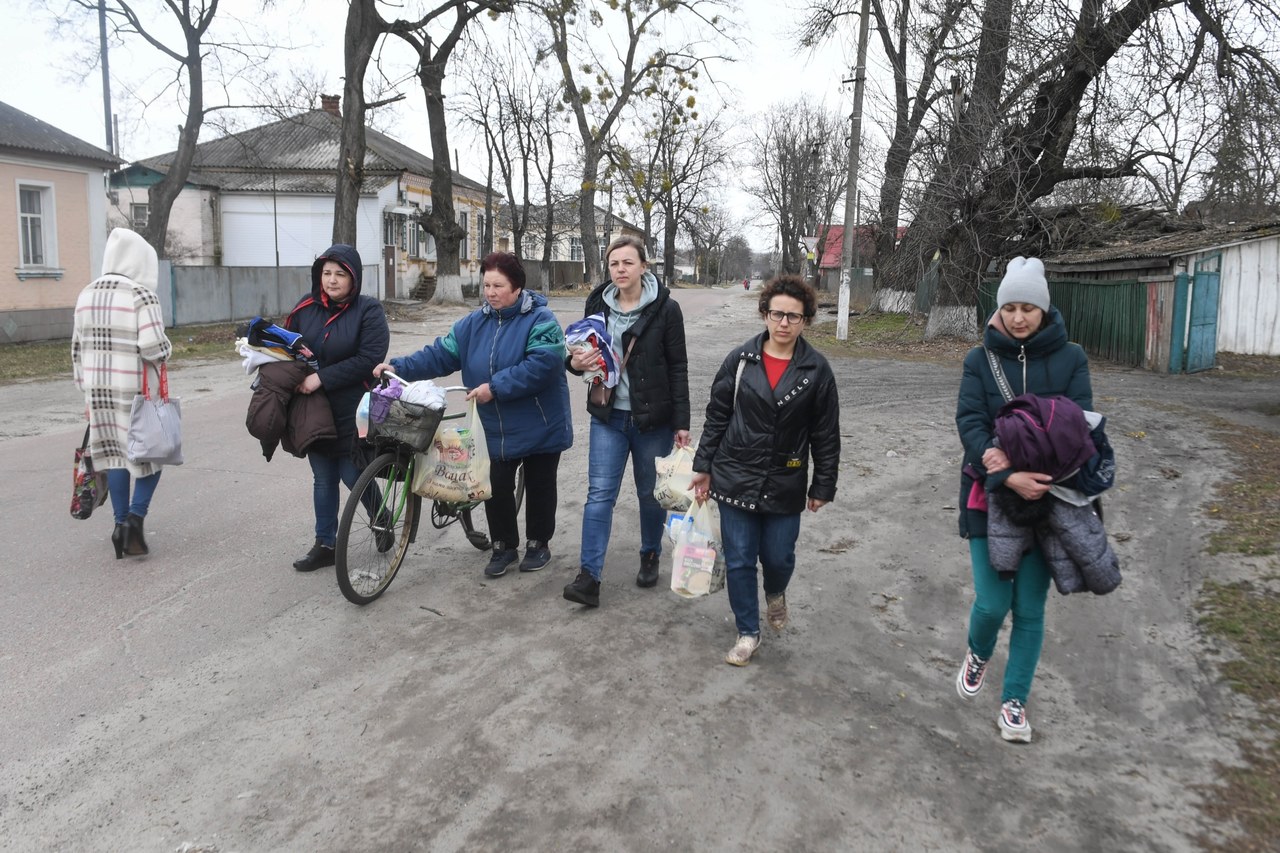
48 359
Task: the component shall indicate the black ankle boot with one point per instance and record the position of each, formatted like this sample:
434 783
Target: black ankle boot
135 542
319 557
120 539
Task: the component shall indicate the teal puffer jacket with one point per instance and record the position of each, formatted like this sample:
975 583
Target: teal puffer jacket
1046 364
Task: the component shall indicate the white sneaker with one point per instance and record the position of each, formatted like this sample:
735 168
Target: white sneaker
1013 722
972 672
740 654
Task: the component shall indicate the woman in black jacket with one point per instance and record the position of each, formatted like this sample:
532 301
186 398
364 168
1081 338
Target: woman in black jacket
645 413
773 406
348 334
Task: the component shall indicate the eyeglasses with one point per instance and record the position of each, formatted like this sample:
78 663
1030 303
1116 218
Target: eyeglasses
779 316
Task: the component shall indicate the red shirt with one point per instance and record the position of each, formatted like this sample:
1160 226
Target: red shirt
774 368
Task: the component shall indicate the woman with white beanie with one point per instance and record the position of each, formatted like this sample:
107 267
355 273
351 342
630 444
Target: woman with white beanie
1028 338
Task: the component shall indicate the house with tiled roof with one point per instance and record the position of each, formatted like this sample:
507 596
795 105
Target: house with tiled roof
264 197
53 224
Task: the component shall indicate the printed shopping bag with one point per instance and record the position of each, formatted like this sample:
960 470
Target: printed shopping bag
456 465
88 487
675 470
155 424
697 561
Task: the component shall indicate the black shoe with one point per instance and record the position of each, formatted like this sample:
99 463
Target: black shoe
135 543
318 557
584 590
502 558
648 575
120 539
536 555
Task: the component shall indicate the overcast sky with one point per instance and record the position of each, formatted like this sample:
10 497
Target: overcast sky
38 77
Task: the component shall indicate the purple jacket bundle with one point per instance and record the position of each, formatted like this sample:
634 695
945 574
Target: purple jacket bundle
1048 435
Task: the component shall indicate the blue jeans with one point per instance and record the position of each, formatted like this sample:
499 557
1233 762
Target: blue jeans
748 536
1025 595
611 442
326 472
118 487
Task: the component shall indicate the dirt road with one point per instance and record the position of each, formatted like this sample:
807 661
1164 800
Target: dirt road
208 695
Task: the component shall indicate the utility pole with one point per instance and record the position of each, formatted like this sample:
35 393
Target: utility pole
106 73
851 192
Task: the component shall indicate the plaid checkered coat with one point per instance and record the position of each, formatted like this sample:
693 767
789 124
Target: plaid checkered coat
117 332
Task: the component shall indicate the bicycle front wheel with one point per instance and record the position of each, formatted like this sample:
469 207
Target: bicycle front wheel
376 528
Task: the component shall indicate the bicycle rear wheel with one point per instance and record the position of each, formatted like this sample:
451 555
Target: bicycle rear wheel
376 528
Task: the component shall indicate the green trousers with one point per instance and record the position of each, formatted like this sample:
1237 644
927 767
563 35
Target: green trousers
1025 596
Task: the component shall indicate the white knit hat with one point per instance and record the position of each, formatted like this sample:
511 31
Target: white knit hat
1024 282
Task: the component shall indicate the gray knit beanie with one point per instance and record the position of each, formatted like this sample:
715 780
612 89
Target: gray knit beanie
1024 282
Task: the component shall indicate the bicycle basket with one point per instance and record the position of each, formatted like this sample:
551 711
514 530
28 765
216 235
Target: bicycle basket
409 424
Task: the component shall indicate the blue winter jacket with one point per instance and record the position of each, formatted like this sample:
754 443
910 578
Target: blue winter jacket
1045 363
519 351
348 338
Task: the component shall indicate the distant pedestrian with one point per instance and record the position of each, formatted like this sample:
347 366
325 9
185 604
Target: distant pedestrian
348 334
645 413
774 407
1028 336
117 335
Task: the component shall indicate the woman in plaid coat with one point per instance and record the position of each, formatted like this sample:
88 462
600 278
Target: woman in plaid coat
118 332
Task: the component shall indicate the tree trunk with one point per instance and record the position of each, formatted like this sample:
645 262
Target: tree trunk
442 221
591 260
364 26
162 194
669 227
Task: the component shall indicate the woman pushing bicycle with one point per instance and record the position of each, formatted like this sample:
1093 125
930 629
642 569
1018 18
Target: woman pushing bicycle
511 352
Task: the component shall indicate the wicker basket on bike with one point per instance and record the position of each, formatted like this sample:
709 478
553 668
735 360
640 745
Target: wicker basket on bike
407 423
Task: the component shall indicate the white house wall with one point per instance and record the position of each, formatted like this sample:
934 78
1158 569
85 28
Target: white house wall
254 225
1249 298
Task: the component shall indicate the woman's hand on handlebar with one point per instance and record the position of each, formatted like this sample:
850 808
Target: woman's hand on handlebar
377 370
481 394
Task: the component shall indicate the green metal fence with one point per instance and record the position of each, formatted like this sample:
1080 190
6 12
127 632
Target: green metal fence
1107 318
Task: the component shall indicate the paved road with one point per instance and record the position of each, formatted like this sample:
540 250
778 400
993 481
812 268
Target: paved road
209 695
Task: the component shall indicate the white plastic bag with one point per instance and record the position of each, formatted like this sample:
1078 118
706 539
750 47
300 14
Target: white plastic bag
675 470
697 561
456 466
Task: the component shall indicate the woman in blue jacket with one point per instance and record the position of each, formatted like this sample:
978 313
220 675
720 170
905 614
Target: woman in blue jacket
348 334
1029 338
511 352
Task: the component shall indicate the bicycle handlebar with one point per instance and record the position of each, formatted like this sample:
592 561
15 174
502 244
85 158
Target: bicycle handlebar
445 389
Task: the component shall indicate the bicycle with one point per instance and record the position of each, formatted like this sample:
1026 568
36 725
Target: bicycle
381 516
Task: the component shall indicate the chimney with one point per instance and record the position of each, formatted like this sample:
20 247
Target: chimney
331 104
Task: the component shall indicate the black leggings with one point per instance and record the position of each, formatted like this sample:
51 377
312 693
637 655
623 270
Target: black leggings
539 499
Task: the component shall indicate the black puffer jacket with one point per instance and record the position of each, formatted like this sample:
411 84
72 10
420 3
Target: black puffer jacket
348 338
757 447
658 369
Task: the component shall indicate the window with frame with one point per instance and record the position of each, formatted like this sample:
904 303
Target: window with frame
139 215
604 244
36 226
464 244
575 249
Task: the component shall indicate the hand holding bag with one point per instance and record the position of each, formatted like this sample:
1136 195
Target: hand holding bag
675 471
456 466
88 487
155 424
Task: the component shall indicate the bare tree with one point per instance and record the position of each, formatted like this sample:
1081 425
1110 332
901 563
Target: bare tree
598 89
799 164
188 52
677 159
432 60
